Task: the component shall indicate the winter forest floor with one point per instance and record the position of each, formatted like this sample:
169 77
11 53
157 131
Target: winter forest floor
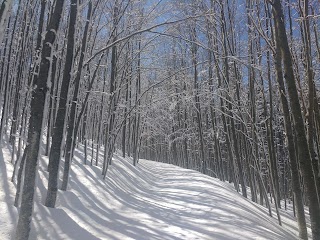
150 201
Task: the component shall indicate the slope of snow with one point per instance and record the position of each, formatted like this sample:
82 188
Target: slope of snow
150 201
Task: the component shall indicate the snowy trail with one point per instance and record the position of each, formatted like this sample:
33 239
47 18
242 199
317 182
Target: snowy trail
150 201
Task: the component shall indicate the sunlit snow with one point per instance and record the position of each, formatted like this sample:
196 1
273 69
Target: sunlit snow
150 201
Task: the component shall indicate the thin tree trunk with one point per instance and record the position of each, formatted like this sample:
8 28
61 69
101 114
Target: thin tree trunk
57 136
70 129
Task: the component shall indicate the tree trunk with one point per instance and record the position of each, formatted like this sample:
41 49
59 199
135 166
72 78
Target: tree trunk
35 126
303 149
58 131
70 129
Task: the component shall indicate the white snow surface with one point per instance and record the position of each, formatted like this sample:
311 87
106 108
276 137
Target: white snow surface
150 201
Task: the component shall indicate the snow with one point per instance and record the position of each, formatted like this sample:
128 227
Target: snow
7 190
150 201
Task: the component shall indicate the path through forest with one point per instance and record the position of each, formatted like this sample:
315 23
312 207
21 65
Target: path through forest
150 201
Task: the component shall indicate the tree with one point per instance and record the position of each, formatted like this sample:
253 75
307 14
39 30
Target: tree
35 125
303 148
57 136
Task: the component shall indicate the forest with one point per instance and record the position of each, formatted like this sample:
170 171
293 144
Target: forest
229 88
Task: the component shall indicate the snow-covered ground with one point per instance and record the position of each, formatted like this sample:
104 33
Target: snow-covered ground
150 201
